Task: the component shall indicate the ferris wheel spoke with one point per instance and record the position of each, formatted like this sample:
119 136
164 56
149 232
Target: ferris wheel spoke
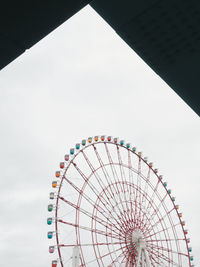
145 194
123 181
117 182
114 173
159 243
111 213
131 181
159 221
87 213
155 233
105 255
166 240
111 255
159 205
138 195
157 257
155 213
165 258
87 198
157 261
130 257
139 185
92 244
167 250
103 212
93 188
121 169
118 222
132 200
116 259
123 211
102 185
151 199
124 260
151 224
100 232
114 251
99 180
143 227
108 179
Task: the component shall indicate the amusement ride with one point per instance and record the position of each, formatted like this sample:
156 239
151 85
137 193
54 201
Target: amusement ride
110 207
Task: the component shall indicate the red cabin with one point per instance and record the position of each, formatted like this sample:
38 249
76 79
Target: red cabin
62 165
58 174
185 231
54 263
109 138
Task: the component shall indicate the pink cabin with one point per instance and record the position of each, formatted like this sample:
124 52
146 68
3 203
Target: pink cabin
66 157
51 249
115 140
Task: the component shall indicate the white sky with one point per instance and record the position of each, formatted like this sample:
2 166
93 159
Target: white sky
83 80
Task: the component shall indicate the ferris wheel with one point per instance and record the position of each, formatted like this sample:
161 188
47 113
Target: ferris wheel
111 208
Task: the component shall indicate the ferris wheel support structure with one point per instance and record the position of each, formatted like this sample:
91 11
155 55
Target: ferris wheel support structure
75 257
138 241
140 244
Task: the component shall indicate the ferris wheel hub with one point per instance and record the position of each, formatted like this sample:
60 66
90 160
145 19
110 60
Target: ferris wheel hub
138 239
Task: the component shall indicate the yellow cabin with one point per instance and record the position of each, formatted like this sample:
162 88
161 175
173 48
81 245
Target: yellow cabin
54 184
89 139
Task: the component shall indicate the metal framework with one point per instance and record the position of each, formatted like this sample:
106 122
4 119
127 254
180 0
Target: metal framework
113 209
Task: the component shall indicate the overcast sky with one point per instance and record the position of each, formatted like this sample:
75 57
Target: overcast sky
83 80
